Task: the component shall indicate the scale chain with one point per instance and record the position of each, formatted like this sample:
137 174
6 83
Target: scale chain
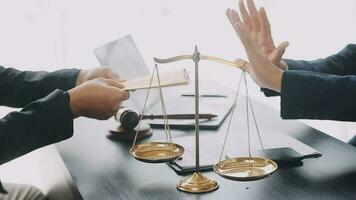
256 125
232 115
248 122
248 106
163 105
143 109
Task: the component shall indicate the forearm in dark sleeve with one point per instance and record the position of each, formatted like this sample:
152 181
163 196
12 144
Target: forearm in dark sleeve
45 121
342 63
19 88
311 95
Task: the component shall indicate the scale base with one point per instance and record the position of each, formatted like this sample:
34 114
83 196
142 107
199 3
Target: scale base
197 183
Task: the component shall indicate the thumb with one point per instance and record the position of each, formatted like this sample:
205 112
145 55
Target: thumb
109 73
112 75
277 53
113 83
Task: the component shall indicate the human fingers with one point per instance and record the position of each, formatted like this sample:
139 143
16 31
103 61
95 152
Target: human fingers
108 73
242 33
117 97
121 94
124 94
266 27
112 75
233 17
245 15
241 30
255 21
277 54
113 83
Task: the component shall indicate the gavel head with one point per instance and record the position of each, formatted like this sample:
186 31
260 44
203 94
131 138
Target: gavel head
127 118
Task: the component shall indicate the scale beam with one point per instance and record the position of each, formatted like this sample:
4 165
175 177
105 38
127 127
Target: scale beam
239 63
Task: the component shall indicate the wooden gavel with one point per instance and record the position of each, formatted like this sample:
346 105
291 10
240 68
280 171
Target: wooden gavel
129 119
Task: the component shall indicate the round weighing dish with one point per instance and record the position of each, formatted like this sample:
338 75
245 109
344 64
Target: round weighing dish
157 152
245 168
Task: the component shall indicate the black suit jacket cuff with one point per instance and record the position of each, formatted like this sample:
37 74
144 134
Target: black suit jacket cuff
64 79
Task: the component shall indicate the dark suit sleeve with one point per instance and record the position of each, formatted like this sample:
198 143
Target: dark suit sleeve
19 88
45 121
313 95
342 63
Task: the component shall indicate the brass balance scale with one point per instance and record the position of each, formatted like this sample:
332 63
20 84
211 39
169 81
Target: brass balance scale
239 168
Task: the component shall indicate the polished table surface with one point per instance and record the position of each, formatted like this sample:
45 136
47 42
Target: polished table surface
103 169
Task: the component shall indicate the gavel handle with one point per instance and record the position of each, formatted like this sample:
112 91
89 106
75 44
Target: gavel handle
180 116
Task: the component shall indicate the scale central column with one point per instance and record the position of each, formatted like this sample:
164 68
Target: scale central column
196 59
197 183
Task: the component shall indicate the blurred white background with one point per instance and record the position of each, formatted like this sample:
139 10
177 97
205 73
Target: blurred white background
50 35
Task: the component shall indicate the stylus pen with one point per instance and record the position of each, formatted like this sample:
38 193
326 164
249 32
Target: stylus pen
180 116
204 95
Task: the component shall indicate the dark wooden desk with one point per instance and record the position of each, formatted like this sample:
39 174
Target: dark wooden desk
103 169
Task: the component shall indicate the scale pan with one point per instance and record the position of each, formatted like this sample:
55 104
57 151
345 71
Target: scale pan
157 152
245 168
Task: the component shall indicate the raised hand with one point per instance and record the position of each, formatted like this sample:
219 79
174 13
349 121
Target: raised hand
261 68
256 22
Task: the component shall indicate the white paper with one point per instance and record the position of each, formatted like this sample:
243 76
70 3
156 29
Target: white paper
124 58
